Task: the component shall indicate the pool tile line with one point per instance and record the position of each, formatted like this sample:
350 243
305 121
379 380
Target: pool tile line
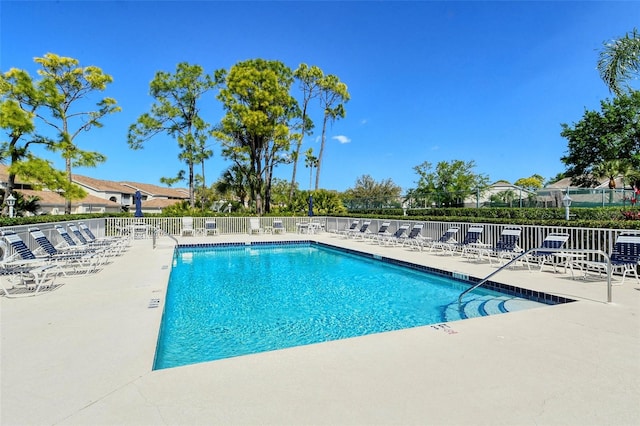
508 289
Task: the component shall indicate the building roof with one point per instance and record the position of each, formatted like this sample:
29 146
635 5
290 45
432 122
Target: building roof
158 191
159 203
49 198
102 185
566 183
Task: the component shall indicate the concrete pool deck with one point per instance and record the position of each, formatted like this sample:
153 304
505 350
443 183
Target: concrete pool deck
82 355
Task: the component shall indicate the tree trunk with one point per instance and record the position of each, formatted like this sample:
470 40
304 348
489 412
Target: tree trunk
324 136
67 204
192 200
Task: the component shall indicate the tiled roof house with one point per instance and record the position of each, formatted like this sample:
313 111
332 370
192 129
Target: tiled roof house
103 196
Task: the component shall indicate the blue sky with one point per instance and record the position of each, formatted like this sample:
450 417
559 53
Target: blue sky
429 81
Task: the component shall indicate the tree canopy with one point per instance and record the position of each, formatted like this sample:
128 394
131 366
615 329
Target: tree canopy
64 85
333 96
256 129
176 112
449 183
619 61
367 193
602 137
531 183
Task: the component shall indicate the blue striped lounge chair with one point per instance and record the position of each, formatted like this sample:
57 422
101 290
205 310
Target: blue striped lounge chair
361 232
395 238
27 273
278 227
415 237
447 240
624 257
551 244
78 258
353 226
383 231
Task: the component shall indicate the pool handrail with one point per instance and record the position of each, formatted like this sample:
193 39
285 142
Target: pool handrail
544 250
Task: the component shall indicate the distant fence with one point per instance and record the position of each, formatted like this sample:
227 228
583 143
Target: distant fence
532 235
542 198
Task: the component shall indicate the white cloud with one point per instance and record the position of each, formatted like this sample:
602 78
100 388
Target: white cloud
342 139
363 121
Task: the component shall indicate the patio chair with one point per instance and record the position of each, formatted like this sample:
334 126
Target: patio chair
278 227
507 246
361 232
254 226
471 240
26 280
624 258
352 227
69 243
447 240
76 257
187 227
415 238
210 227
396 237
118 244
383 231
24 257
107 248
553 241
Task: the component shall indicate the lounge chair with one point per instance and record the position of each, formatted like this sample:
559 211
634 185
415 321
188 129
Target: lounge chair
415 238
350 228
69 243
396 237
278 227
447 241
360 232
507 246
624 258
26 279
471 240
383 231
105 247
553 241
254 226
80 258
210 227
117 244
187 227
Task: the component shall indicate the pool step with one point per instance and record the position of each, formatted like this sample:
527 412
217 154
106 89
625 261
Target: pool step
480 306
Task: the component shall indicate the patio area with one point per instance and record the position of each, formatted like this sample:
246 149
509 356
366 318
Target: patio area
83 354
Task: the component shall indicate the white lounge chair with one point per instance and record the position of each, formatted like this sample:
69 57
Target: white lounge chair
347 229
254 226
187 226
383 231
447 240
210 227
361 232
396 237
278 227
415 237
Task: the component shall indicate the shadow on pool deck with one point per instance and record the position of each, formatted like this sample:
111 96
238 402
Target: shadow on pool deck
83 355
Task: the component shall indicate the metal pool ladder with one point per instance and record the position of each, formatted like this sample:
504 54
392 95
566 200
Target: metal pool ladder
159 231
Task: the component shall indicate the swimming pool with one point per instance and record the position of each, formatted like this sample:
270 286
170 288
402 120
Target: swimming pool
233 300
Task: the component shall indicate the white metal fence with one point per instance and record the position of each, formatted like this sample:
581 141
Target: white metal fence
532 235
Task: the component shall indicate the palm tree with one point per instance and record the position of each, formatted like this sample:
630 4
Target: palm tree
612 169
619 61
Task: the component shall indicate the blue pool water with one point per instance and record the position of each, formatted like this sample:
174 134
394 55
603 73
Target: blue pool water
231 301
